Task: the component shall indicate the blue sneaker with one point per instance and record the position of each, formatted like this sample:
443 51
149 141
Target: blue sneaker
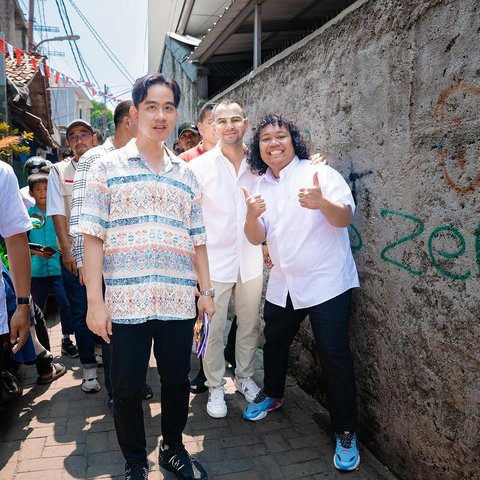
346 455
262 404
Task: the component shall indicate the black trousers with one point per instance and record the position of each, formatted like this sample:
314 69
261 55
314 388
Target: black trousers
130 349
330 323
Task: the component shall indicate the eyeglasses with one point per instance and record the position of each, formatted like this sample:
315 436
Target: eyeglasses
234 120
75 137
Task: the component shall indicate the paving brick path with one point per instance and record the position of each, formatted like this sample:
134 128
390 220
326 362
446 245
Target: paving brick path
58 432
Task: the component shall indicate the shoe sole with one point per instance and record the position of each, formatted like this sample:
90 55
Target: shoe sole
66 354
262 414
217 415
345 469
92 390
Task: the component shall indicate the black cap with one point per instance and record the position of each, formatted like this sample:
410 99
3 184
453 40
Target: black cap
187 126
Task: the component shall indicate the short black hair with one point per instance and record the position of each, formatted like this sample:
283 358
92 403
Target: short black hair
228 101
257 165
208 107
142 84
37 178
122 110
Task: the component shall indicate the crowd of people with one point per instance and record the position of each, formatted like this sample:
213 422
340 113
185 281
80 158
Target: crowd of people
139 243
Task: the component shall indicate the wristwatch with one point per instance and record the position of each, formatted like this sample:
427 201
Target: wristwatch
24 300
208 293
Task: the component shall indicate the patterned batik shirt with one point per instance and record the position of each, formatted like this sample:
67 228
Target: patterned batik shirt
149 223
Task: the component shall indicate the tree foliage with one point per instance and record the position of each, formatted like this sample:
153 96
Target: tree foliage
96 117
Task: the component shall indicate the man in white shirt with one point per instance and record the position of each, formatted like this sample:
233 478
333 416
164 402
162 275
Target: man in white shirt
80 138
14 223
302 210
234 262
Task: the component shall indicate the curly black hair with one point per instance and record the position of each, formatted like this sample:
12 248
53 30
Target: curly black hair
257 165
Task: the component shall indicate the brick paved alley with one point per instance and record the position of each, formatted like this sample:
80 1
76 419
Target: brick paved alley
58 432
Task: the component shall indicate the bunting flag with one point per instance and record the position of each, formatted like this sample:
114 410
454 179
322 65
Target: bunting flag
18 56
40 65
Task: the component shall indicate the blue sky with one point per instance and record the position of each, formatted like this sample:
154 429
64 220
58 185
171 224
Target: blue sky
121 24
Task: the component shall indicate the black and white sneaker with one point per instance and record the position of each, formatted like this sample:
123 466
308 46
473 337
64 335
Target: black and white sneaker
136 471
69 349
179 461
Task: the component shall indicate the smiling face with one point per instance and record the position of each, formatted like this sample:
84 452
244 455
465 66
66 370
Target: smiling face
276 147
230 124
156 114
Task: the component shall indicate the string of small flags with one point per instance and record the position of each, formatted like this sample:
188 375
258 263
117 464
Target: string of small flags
40 65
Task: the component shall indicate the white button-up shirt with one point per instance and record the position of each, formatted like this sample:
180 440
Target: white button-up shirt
13 220
230 254
312 259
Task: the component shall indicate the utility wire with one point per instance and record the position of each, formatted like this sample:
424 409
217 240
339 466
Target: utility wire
80 57
70 43
115 60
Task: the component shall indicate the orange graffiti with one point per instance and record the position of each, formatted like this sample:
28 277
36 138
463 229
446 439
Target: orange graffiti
458 148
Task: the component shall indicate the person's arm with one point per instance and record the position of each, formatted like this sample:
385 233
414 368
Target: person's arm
61 229
337 214
98 317
253 228
205 302
20 268
56 210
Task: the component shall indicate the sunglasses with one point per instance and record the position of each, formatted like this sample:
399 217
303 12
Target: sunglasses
82 136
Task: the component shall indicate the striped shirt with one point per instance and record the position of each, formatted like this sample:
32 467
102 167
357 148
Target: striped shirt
78 194
149 223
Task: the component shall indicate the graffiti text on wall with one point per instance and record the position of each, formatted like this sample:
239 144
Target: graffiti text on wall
458 148
438 256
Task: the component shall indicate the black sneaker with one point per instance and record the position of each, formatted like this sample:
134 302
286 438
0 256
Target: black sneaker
197 385
69 349
147 392
229 354
179 461
136 471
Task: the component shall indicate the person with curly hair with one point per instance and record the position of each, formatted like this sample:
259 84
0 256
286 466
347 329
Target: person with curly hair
303 212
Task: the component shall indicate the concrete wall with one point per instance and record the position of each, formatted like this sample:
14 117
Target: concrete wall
391 91
190 102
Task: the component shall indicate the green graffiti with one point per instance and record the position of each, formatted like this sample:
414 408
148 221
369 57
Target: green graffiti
477 247
418 231
308 134
447 255
355 235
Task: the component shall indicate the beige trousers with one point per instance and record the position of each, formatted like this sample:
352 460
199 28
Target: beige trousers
247 308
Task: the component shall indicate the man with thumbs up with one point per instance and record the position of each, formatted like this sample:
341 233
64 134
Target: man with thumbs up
235 264
302 210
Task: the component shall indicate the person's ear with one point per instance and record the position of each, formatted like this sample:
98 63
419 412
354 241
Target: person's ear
134 113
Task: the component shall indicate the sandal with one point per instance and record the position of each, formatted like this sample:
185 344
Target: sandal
57 371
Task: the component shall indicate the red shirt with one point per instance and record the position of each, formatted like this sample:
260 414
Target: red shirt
193 152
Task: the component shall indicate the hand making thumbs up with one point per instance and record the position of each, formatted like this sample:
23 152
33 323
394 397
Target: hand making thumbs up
311 197
255 204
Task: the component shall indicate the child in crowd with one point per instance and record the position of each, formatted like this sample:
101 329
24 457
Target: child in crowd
46 273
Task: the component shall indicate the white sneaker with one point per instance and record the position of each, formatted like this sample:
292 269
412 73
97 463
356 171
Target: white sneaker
90 383
216 406
247 387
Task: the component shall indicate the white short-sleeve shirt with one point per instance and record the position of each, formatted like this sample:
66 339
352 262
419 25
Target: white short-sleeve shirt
312 259
14 219
230 254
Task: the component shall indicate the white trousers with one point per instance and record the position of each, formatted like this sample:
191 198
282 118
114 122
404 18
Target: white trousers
247 309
